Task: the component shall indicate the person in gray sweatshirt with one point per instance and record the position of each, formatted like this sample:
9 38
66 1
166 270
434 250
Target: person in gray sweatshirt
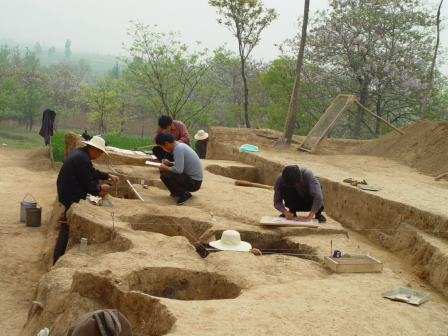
184 175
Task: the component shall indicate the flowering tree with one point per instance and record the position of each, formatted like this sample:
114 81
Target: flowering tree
378 50
62 86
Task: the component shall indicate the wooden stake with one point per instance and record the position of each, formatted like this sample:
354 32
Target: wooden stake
51 152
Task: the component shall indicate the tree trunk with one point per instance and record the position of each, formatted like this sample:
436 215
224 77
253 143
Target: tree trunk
377 121
295 98
360 113
143 126
31 124
246 93
431 74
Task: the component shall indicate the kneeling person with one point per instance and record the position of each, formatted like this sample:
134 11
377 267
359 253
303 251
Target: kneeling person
185 174
301 191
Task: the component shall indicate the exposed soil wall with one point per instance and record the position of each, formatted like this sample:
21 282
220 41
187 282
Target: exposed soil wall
381 219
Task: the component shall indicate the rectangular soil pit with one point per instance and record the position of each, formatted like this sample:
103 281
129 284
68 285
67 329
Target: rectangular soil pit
354 264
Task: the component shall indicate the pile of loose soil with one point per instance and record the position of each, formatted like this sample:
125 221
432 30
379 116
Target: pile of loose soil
424 146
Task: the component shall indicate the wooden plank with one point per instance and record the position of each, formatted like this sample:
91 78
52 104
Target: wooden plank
354 264
320 120
377 116
267 220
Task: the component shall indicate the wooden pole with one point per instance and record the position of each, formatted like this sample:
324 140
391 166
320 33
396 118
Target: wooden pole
441 176
51 151
377 116
256 185
144 147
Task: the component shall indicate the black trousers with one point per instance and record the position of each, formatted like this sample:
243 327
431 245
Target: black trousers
161 154
61 243
179 184
296 203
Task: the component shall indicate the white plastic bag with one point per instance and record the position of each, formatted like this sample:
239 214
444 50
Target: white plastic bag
44 332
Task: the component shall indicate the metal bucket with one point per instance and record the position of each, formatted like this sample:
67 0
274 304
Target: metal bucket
26 205
33 216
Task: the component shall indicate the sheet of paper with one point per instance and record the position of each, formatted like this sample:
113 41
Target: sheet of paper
292 221
153 163
154 157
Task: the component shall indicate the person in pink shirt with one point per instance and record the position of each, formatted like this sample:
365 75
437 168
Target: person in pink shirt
177 129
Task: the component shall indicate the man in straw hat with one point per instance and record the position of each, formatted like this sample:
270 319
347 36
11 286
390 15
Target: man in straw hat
200 147
76 179
185 174
301 191
231 241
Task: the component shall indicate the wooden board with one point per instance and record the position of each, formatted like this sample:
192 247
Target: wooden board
354 264
267 220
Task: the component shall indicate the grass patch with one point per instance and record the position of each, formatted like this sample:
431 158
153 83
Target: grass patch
20 137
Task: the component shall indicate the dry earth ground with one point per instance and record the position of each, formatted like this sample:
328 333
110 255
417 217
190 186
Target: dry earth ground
279 294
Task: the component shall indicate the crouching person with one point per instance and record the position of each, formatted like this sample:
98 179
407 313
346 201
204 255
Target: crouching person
185 174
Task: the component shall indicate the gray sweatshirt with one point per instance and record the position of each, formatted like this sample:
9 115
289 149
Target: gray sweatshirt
186 161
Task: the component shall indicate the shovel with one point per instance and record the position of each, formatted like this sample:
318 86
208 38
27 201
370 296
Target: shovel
281 142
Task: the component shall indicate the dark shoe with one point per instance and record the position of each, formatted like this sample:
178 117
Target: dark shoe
184 198
174 195
321 218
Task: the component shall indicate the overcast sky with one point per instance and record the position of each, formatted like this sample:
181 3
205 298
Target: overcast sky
102 24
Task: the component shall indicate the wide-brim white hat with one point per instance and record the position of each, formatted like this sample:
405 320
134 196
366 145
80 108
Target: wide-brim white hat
97 142
231 241
201 135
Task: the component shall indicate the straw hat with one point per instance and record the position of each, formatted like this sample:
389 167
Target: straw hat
201 135
97 142
231 241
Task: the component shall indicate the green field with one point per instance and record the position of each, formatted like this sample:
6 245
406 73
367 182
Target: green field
21 138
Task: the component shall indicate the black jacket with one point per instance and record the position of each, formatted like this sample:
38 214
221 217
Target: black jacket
77 177
46 130
200 149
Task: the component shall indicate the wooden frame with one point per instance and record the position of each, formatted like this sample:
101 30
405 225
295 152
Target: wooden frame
350 100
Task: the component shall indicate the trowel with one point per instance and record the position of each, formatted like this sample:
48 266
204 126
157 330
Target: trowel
108 204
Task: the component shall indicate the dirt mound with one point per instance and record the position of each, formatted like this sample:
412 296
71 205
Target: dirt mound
38 160
424 146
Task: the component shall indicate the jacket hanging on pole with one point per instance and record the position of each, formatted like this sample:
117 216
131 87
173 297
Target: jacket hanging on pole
46 130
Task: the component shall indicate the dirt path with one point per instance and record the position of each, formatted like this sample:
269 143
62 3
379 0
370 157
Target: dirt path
23 171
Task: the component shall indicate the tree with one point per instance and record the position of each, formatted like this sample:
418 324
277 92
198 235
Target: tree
51 51
101 99
62 86
38 49
171 78
115 72
377 50
123 103
82 69
28 93
245 19
295 95
431 74
67 51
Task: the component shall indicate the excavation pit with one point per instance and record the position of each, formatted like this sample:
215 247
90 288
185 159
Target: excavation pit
267 244
169 226
182 284
235 171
